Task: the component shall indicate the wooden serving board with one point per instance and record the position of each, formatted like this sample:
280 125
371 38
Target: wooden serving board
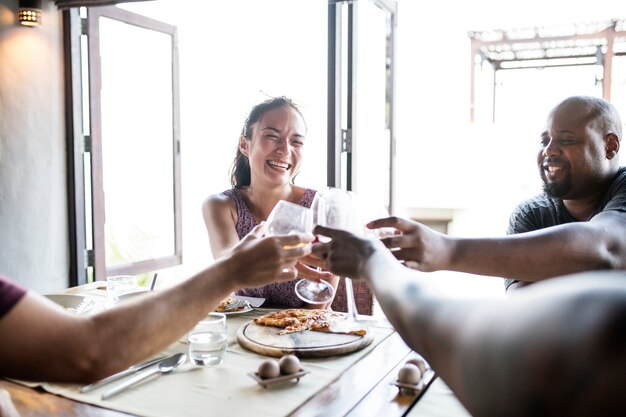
306 344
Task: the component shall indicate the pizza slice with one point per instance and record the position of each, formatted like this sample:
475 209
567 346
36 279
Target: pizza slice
230 304
297 320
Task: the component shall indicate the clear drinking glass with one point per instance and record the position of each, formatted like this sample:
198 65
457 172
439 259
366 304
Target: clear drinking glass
117 286
333 207
345 210
208 340
371 209
368 209
287 218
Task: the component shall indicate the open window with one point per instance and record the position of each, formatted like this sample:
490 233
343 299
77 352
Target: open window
125 149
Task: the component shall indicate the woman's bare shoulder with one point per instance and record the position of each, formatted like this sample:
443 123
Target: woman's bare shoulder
218 203
217 198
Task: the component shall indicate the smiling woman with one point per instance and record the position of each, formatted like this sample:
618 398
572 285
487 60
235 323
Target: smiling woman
269 155
272 136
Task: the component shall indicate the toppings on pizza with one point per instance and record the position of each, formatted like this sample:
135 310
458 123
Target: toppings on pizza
297 320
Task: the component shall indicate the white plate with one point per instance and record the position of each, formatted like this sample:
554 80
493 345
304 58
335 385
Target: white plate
251 304
72 301
245 310
125 297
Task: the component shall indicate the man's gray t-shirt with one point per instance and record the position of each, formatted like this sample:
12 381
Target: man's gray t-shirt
540 212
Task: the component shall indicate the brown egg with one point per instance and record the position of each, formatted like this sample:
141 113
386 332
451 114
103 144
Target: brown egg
409 374
269 369
289 364
421 365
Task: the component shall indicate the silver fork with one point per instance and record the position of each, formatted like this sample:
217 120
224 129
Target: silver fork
238 304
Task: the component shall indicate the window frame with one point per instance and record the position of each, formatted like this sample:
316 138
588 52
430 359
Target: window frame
342 52
82 258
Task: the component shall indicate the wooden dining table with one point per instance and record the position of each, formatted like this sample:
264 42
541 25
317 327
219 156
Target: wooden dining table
363 388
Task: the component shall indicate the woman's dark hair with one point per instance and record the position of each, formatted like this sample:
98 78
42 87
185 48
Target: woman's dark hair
240 175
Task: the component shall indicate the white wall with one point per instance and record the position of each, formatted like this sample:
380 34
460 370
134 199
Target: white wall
33 207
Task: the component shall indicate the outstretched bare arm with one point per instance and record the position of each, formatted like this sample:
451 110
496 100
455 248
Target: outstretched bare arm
574 247
41 341
556 348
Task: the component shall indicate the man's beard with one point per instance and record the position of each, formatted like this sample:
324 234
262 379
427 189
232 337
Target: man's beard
557 189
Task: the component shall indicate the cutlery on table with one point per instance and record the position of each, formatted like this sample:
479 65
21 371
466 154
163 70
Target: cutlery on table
253 301
237 304
121 374
165 366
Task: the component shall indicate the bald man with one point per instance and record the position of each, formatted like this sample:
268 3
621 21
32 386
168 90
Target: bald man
577 224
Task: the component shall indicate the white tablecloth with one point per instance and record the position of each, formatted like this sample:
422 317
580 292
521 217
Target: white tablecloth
225 389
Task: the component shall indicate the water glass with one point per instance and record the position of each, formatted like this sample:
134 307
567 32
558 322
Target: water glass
208 340
119 285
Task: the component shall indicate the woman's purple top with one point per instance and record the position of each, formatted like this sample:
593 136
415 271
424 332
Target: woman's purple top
10 294
279 293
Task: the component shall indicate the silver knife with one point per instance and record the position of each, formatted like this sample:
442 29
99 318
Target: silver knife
122 374
167 365
253 301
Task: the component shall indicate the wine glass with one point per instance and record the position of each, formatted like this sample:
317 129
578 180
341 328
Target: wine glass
288 218
336 208
372 209
368 209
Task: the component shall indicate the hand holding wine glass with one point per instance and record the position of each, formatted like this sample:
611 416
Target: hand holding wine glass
336 208
288 218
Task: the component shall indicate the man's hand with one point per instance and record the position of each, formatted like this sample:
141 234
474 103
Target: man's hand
345 254
260 260
418 246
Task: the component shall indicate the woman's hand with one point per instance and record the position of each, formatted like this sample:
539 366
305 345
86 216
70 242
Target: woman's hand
309 267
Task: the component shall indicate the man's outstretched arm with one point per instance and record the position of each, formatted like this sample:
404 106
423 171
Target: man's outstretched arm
533 256
556 348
